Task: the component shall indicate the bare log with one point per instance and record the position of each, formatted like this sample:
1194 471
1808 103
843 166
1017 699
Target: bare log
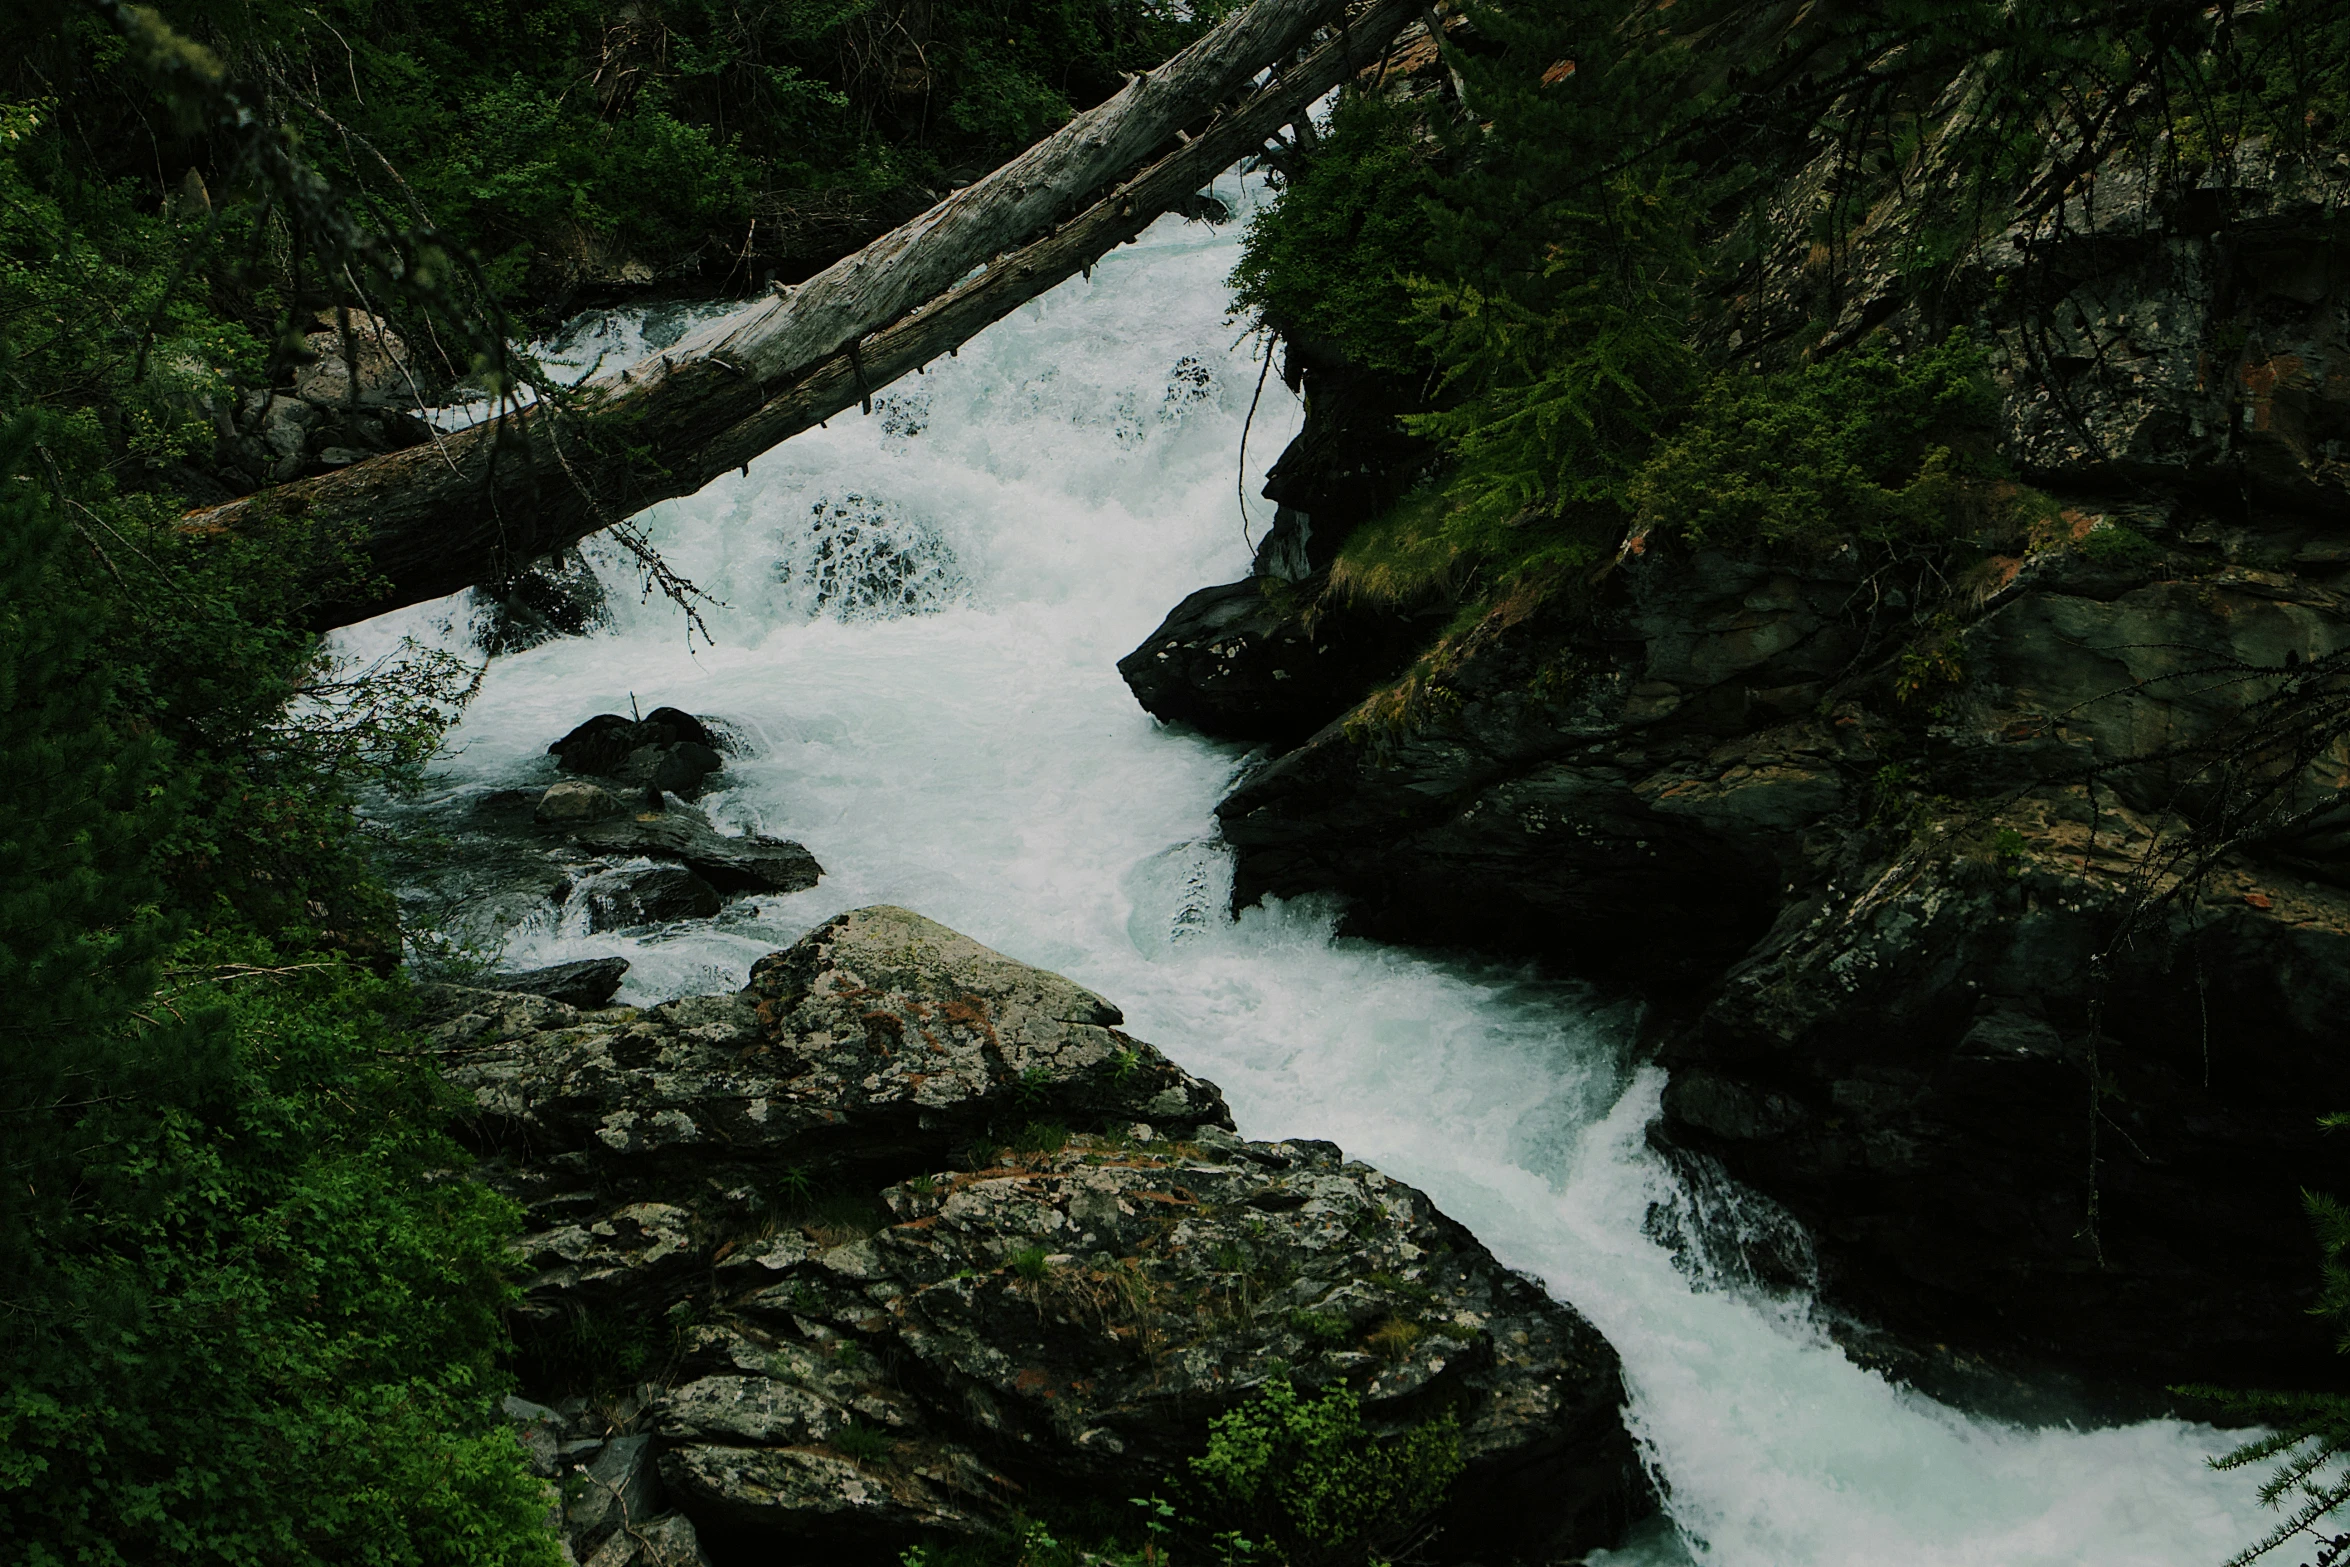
416 524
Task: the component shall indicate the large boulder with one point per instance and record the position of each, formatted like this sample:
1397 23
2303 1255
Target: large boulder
947 1237
1241 662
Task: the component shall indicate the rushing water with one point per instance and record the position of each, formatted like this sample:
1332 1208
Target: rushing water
919 614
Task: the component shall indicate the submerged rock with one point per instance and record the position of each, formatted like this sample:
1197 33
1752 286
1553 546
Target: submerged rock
1047 1261
751 863
668 750
647 895
587 983
560 596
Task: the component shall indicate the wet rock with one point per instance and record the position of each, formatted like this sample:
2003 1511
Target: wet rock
575 801
653 895
668 750
997 1323
1907 1062
752 863
1243 663
586 984
559 596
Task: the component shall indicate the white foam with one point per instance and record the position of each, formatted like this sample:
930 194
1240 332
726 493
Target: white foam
973 755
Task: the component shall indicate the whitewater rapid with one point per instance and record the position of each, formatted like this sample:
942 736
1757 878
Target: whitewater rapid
915 624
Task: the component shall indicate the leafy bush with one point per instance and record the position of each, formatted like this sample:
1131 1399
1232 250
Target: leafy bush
864 1444
1867 446
265 1327
1307 1474
249 1309
1326 261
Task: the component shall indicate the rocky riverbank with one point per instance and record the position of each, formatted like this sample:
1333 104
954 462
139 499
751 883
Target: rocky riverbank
906 1239
1994 924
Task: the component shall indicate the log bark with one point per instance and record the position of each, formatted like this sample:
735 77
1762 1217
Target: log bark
416 524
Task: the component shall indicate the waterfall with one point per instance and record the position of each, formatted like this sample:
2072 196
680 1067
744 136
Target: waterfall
914 619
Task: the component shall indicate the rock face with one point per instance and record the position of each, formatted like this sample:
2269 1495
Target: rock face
1044 1264
1964 942
1907 1062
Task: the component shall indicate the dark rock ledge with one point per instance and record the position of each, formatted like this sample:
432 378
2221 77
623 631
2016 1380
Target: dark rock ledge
976 1328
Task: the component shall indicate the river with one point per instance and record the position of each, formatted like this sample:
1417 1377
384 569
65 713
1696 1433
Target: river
917 618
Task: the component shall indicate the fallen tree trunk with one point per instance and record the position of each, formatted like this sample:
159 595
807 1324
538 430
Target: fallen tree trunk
416 524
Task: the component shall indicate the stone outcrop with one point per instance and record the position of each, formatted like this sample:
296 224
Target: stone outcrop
1236 661
932 1239
1955 948
1272 657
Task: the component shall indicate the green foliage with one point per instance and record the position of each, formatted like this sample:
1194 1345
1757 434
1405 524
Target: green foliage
864 1444
249 1311
2119 546
1868 447
1326 263
1307 1474
1327 1327
2309 1433
1039 1138
264 1328
556 135
1033 1263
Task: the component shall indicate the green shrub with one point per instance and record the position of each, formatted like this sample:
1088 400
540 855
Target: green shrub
1307 1474
2119 546
1040 1138
1326 260
1866 446
863 1444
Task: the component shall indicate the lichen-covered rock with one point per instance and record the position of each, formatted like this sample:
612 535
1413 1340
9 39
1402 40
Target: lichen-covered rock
1073 1319
574 802
879 1040
993 1324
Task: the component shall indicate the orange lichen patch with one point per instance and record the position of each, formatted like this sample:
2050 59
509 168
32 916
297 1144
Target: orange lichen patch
882 1029
2260 900
2261 379
970 1012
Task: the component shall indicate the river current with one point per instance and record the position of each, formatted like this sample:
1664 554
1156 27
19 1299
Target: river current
916 618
